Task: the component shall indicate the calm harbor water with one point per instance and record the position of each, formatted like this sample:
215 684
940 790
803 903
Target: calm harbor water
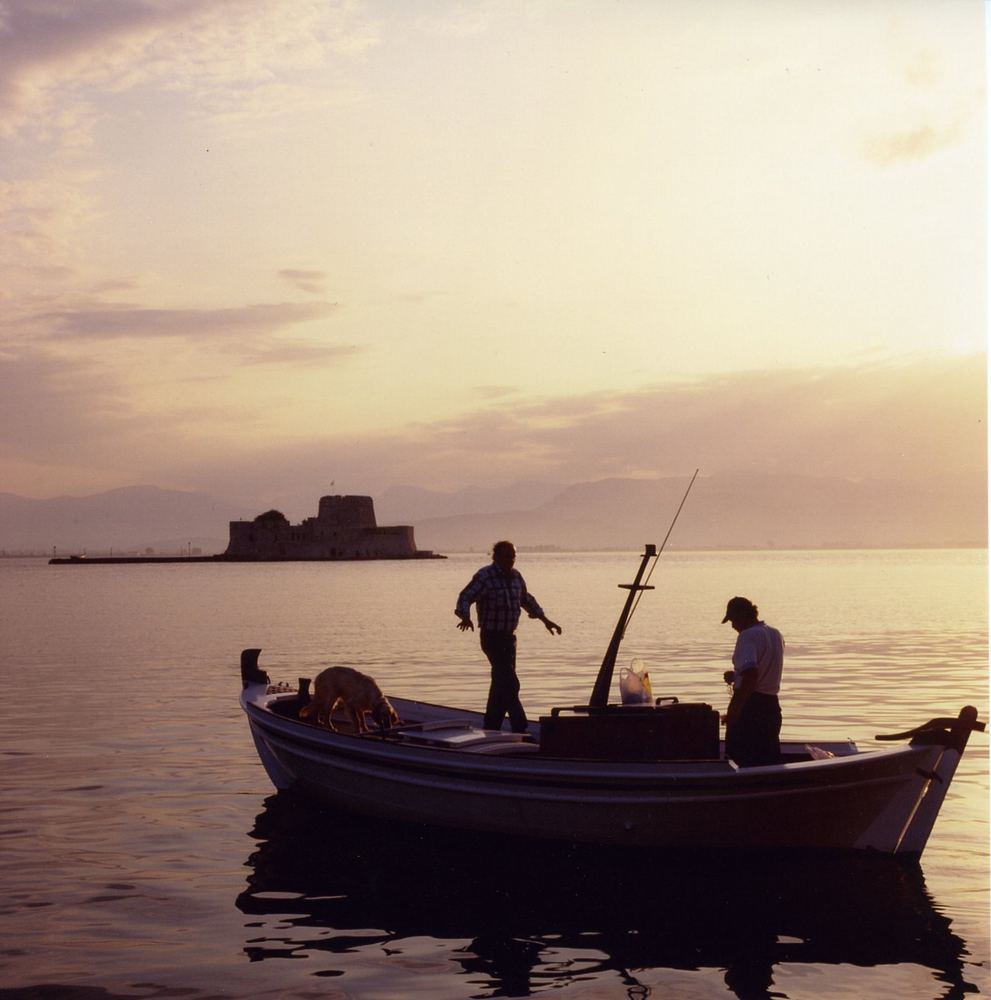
144 853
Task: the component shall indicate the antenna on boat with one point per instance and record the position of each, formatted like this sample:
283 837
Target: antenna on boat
600 692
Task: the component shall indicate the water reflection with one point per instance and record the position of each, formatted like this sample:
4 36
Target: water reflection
542 916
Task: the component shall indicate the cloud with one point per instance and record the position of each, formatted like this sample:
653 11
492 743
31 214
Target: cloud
67 70
494 391
77 420
57 407
45 47
228 52
40 219
69 404
910 144
918 421
880 420
297 353
110 322
305 281
461 20
921 421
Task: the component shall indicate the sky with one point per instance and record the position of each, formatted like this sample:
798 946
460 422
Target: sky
271 250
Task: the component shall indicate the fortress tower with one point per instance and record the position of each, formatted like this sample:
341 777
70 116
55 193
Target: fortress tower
356 513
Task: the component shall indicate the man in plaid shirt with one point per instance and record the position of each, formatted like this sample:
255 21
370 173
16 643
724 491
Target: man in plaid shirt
498 592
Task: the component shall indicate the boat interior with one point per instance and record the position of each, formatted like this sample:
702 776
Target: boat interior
444 728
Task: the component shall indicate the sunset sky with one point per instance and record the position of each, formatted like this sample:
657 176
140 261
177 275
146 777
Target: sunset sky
256 247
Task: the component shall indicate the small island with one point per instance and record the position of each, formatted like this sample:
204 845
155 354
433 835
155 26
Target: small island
344 529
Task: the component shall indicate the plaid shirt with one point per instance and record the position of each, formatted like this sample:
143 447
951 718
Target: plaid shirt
498 598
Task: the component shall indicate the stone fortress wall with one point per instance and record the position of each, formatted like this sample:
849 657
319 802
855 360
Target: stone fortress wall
344 528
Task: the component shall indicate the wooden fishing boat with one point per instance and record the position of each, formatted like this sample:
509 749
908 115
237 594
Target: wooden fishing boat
651 775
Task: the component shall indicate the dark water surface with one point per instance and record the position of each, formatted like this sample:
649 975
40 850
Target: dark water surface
144 854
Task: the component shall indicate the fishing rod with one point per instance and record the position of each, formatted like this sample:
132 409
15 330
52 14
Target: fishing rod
600 692
674 521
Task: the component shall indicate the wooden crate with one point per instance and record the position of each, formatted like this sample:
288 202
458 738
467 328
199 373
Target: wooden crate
642 732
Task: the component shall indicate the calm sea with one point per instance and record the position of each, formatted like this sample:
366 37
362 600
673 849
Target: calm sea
144 853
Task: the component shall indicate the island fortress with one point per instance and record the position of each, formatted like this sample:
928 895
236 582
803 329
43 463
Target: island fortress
344 528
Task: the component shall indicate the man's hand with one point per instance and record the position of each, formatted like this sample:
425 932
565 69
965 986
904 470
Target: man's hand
466 625
551 626
748 683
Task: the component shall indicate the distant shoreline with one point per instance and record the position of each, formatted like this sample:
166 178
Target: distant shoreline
482 551
116 560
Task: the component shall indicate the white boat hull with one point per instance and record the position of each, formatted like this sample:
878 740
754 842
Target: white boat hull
451 773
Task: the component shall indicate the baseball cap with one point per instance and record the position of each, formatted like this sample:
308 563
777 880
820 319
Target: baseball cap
737 607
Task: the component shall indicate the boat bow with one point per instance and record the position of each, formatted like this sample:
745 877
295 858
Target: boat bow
949 736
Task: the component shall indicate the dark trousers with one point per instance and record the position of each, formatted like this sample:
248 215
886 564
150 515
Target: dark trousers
754 740
504 691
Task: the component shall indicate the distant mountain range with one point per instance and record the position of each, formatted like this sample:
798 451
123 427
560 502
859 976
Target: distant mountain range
731 512
133 518
724 511
412 504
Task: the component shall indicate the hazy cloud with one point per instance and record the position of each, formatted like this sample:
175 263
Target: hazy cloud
111 322
914 422
881 420
295 353
44 46
494 391
305 281
40 219
56 408
462 20
225 49
911 144
924 68
921 422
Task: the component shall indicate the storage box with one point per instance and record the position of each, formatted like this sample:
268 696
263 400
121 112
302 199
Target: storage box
633 732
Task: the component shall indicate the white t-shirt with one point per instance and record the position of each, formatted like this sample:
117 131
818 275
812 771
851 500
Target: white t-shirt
760 647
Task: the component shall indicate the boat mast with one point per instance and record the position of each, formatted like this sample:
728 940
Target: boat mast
600 693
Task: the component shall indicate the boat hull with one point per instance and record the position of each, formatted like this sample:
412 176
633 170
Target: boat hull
884 800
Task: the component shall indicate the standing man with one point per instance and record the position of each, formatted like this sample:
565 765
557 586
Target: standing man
753 719
499 591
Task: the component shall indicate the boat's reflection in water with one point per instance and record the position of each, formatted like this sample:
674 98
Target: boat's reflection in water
540 916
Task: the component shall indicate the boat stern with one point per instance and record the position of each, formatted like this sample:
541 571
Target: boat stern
255 696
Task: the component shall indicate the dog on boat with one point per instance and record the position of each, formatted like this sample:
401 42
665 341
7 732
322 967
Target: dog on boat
357 692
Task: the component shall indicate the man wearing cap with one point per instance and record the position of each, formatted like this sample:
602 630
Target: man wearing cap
753 719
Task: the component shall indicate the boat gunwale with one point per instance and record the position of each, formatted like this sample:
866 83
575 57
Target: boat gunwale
685 775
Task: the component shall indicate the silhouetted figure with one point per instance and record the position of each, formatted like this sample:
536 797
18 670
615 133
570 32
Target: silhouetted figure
498 592
753 718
